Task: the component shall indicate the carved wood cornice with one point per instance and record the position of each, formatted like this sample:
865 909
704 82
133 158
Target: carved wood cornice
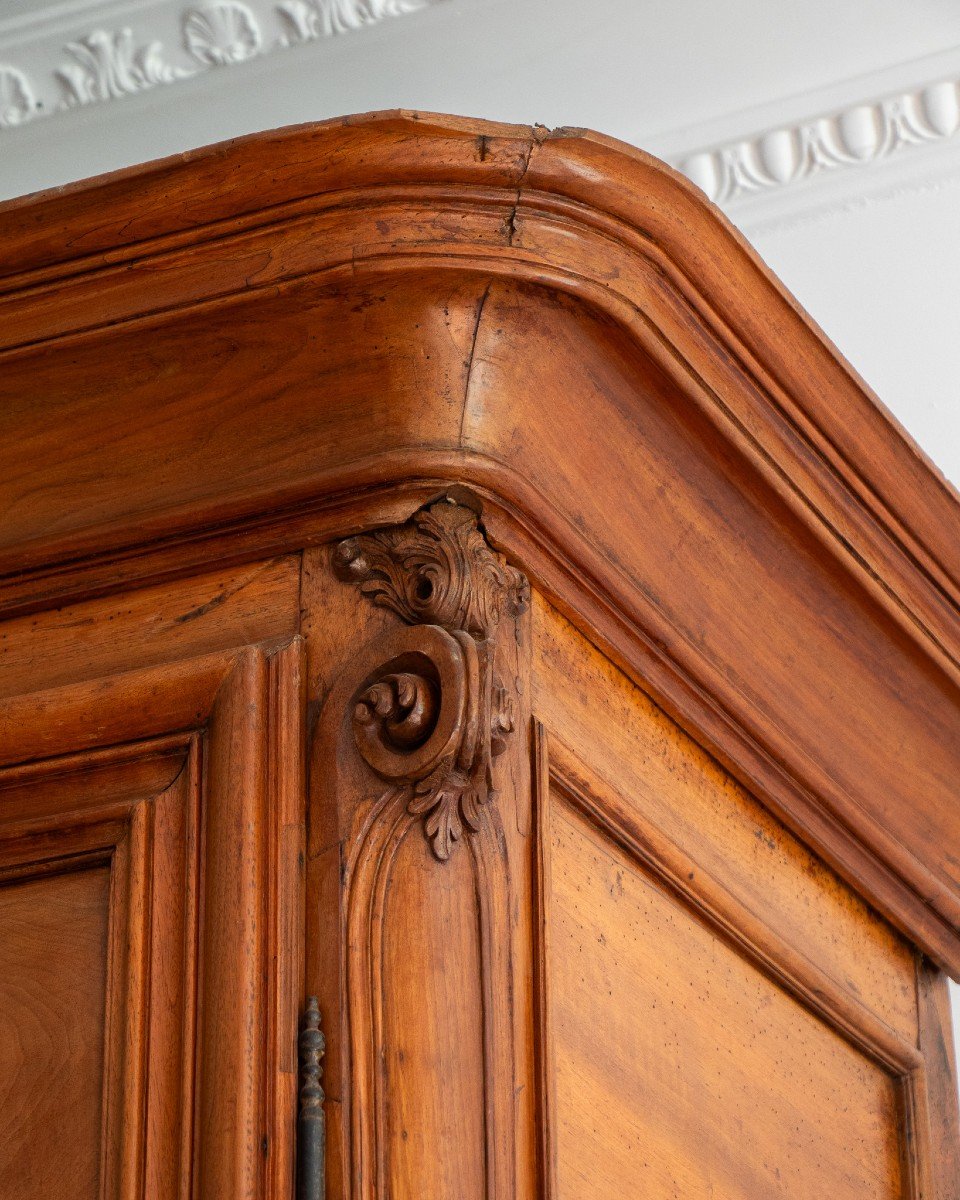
561 324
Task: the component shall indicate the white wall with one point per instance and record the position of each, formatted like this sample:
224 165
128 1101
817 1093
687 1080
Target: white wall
882 278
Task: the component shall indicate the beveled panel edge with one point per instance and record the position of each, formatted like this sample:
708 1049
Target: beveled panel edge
688 882
99 791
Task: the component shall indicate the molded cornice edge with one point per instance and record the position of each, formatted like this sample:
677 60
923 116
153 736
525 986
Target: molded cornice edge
612 232
593 184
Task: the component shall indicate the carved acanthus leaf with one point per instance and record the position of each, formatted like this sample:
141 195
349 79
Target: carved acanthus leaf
17 101
437 569
109 65
311 19
436 725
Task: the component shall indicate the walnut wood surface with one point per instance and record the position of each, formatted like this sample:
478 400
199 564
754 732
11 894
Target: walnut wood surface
280 330
722 1060
705 984
638 881
52 1010
153 760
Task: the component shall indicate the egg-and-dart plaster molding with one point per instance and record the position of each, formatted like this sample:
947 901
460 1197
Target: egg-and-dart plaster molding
871 136
849 138
859 134
48 65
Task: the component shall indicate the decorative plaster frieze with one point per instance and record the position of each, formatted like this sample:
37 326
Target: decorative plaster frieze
856 135
17 101
222 34
311 19
108 65
49 65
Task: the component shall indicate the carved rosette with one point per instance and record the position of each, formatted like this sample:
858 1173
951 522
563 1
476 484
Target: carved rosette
432 717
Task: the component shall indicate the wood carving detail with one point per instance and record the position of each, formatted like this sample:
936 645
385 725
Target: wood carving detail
432 717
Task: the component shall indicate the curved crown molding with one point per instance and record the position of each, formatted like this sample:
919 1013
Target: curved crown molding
673 353
88 54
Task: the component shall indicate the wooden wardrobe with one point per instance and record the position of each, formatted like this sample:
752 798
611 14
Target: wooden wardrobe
444 574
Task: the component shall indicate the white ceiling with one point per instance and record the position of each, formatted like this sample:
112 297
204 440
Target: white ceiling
630 68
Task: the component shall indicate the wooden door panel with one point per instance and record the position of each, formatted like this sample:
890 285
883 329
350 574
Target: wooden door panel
52 1011
681 1070
98 945
160 752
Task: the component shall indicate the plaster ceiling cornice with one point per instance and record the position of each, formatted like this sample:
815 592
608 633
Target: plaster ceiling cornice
872 135
68 55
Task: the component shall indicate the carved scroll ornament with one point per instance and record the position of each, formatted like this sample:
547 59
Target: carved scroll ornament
432 716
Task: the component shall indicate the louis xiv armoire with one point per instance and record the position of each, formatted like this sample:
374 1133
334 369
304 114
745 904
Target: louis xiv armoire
479 694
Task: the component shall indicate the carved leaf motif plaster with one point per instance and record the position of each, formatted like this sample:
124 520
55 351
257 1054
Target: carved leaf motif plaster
17 101
312 19
222 34
109 66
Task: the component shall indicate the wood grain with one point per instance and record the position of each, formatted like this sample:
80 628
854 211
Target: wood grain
673 1056
284 332
636 798
166 744
631 886
663 779
51 1033
129 818
150 626
419 945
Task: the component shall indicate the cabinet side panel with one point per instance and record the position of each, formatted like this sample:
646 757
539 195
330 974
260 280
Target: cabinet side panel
666 779
681 1069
